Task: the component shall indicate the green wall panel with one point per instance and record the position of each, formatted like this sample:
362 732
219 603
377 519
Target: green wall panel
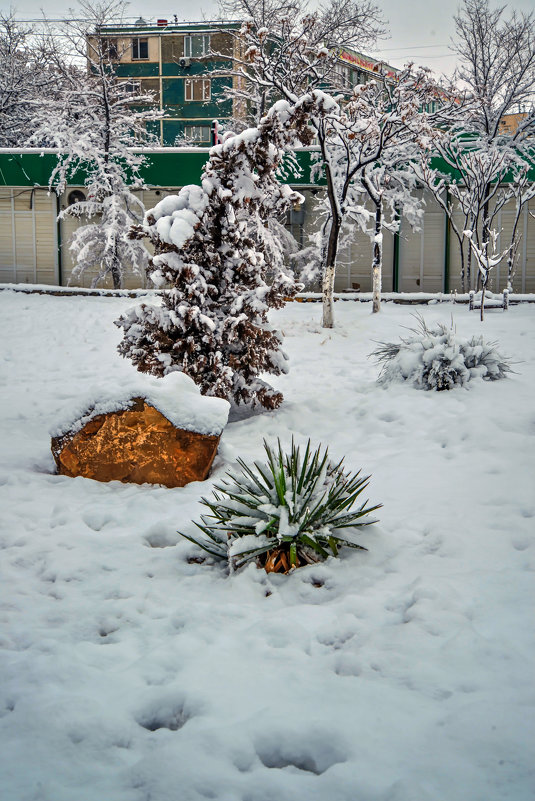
172 92
163 167
138 69
172 129
173 69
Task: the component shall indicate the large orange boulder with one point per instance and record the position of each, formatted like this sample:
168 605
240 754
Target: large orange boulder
150 438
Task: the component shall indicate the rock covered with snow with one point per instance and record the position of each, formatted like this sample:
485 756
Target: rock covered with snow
146 435
176 396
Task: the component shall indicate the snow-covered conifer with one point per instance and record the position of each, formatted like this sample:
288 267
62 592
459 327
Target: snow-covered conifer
224 268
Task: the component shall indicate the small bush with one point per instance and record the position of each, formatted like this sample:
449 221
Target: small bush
436 358
284 513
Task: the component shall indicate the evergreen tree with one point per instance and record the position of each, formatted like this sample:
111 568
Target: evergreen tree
224 267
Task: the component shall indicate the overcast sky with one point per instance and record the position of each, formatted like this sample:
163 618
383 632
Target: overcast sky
419 30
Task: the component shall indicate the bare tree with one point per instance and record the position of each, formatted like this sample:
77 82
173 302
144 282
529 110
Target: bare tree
95 124
27 75
290 52
372 144
497 73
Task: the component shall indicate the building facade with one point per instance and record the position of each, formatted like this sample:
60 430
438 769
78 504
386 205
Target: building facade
190 68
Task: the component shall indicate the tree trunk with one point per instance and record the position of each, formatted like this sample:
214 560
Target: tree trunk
116 276
469 269
513 249
328 299
377 265
329 272
485 249
463 270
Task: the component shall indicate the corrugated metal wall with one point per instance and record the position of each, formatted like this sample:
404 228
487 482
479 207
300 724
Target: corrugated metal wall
524 272
69 224
29 246
28 236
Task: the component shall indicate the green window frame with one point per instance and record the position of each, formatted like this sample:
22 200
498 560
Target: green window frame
199 134
197 90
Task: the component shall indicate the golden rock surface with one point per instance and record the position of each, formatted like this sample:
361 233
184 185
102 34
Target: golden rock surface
137 445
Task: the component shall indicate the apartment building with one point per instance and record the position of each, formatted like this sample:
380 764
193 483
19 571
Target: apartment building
189 67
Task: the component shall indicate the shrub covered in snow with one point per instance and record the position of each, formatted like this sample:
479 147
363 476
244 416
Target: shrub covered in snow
225 269
436 358
284 513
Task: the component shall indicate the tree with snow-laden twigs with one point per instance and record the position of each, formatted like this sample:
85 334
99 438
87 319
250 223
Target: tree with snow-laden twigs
224 268
94 124
369 148
497 72
283 49
291 52
27 75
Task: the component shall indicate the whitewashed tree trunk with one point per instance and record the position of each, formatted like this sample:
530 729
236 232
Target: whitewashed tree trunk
328 296
377 265
332 249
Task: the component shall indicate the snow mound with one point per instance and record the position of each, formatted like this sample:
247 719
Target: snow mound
176 396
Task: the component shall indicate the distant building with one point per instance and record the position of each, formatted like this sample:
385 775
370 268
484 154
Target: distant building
510 122
189 67
177 63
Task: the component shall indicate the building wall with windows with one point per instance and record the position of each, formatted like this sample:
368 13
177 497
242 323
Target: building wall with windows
188 67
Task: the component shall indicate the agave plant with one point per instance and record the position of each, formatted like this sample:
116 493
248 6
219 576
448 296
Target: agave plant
436 358
284 513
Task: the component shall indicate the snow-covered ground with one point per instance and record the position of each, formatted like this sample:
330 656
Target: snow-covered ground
129 673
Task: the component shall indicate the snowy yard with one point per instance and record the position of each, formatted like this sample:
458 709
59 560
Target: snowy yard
405 673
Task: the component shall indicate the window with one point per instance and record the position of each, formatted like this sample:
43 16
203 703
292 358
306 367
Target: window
198 134
130 86
140 48
197 45
197 89
109 49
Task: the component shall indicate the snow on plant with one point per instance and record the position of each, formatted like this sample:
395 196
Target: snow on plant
436 358
487 163
371 146
292 51
286 512
27 75
225 268
94 123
